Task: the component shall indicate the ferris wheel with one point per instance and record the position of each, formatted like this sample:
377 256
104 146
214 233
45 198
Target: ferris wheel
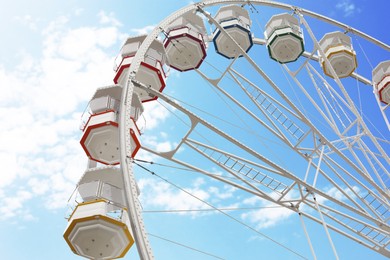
277 102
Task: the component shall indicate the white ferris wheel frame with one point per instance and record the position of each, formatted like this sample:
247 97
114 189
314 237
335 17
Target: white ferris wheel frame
134 209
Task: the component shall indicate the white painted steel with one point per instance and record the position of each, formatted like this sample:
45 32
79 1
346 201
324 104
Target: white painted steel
284 38
235 20
185 49
152 75
381 81
99 226
369 217
151 71
337 48
99 237
100 139
185 42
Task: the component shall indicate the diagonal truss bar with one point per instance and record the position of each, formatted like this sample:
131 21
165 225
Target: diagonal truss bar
315 134
271 165
241 166
378 240
274 130
349 140
352 106
271 108
307 153
232 163
245 167
378 189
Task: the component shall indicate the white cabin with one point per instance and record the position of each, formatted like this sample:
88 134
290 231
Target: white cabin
100 139
284 38
338 50
99 226
381 81
151 71
185 45
236 22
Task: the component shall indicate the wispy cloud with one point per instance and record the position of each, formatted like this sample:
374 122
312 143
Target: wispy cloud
41 104
265 217
347 7
12 207
108 19
160 195
145 30
29 21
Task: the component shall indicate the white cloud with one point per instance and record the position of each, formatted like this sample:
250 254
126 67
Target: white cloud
145 30
199 182
78 11
347 7
11 207
265 218
251 201
29 21
164 146
160 195
219 194
271 214
10 162
56 25
153 115
41 104
164 134
40 110
108 19
268 216
338 195
156 142
39 186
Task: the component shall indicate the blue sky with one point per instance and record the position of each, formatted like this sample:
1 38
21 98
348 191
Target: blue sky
53 56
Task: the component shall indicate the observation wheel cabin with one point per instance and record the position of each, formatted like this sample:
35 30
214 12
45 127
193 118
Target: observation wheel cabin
185 45
105 204
100 139
99 226
381 81
151 71
236 22
284 38
338 50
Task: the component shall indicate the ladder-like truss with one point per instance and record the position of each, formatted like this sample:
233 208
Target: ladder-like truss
348 158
